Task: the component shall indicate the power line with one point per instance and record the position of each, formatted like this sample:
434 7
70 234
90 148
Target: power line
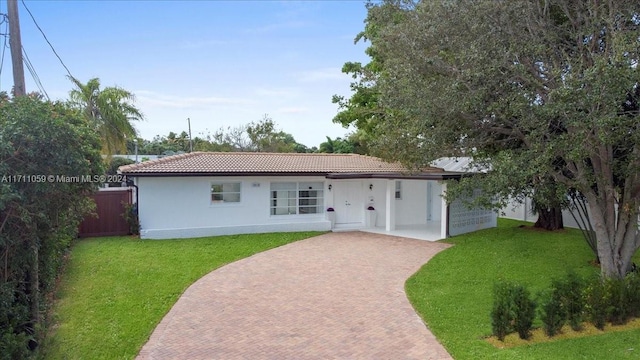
34 75
46 39
4 21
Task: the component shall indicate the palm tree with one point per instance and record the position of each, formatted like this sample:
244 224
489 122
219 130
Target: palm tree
110 110
328 146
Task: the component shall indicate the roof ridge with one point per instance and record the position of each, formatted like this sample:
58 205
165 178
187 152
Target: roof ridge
275 153
267 162
158 161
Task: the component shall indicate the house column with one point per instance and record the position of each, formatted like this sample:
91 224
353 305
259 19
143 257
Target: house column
444 214
391 206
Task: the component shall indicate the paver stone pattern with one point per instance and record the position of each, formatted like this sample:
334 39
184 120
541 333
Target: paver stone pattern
335 296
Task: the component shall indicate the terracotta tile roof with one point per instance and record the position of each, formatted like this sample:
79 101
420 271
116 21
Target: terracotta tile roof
268 163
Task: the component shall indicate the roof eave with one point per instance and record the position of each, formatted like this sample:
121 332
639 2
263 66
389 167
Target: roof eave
337 176
246 173
398 175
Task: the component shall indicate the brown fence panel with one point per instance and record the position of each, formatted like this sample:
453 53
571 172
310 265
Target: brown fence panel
109 208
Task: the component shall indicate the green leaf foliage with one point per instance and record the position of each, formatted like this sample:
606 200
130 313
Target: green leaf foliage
110 111
552 313
543 94
525 311
42 145
502 313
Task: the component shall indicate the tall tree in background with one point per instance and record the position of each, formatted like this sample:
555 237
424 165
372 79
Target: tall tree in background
261 136
540 91
265 137
338 146
109 110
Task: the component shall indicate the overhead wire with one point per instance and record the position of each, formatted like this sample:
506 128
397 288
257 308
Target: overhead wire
46 39
5 34
34 74
30 66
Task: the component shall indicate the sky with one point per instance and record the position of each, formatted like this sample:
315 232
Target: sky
219 63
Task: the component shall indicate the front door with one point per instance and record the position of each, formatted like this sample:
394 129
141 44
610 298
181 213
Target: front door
348 202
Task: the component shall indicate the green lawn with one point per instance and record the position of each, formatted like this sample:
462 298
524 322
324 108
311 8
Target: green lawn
115 290
453 292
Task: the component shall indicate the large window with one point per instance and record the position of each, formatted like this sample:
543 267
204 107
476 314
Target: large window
291 198
225 192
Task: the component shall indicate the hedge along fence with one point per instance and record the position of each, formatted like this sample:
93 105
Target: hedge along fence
39 215
571 300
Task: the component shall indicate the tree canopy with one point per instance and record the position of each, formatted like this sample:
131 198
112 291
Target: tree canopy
260 136
542 92
109 110
45 149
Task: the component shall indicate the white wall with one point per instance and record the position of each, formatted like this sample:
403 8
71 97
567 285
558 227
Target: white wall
377 197
178 207
436 201
518 211
522 211
412 208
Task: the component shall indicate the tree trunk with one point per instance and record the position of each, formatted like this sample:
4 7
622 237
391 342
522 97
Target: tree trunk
34 286
549 219
615 263
617 238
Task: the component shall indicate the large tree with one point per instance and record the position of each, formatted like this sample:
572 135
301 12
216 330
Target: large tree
109 110
366 112
261 136
265 137
543 92
363 109
48 157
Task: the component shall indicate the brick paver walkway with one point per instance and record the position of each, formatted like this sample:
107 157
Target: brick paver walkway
335 296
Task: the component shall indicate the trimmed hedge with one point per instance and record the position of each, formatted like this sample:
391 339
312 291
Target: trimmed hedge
569 300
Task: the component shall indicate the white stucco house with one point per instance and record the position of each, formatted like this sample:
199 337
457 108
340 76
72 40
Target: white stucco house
204 194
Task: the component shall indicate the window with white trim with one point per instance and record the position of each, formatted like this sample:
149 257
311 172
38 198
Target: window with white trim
398 189
293 198
225 192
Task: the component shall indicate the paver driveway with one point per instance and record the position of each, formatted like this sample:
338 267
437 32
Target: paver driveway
334 296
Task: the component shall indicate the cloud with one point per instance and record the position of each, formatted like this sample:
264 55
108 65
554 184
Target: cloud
320 75
292 110
285 92
150 98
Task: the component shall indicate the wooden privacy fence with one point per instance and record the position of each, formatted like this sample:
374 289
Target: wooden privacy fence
109 208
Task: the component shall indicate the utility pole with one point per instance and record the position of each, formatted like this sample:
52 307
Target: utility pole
15 43
190 142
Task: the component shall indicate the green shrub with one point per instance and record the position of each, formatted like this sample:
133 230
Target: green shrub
552 313
524 309
596 303
113 166
571 292
39 214
633 291
502 314
618 301
130 215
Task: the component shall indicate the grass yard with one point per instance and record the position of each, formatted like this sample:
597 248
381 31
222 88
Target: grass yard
115 290
453 292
